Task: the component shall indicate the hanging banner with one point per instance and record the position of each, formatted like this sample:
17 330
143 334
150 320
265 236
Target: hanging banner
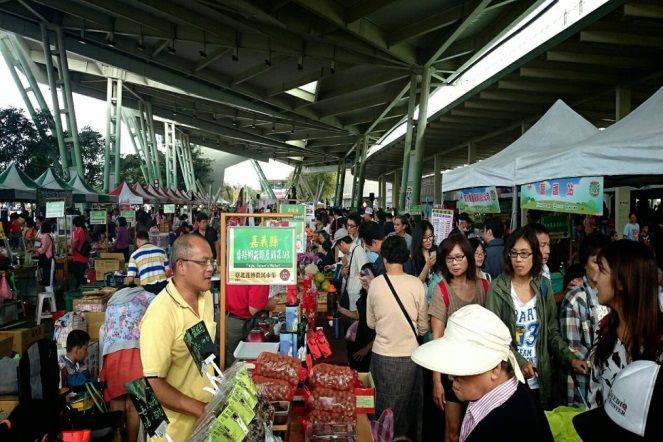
310 213
169 208
478 200
298 221
581 195
97 217
54 209
443 223
261 255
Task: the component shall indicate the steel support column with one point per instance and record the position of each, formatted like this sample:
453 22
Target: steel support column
407 148
437 179
395 185
383 192
296 176
421 132
147 124
55 99
359 197
471 153
138 142
113 131
171 154
263 179
341 183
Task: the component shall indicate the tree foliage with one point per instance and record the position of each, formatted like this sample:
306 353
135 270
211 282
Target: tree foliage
328 178
34 148
131 171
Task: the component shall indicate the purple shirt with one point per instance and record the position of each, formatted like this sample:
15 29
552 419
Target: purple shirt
122 239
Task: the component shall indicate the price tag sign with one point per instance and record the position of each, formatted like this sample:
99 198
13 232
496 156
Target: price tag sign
149 409
169 208
97 217
199 343
54 209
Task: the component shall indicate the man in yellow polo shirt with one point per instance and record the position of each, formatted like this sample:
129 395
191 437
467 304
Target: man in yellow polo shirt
167 363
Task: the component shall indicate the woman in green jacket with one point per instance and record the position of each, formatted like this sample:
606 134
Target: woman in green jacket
524 300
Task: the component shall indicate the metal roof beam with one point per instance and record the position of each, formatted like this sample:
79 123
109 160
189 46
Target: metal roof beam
429 24
357 84
613 61
522 84
621 38
466 23
643 10
354 105
500 106
361 28
568 75
401 93
364 8
258 69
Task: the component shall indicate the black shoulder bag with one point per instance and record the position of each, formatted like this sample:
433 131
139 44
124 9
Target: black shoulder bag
420 339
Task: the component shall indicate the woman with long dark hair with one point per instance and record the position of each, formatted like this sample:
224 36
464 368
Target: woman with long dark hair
459 287
525 302
423 251
627 283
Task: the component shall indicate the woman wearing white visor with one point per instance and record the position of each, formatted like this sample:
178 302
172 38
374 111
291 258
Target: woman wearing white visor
476 353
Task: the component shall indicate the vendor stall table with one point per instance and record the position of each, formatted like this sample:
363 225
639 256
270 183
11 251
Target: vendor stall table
297 430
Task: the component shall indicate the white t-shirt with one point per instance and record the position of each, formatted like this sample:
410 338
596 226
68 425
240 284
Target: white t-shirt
527 331
353 281
545 271
632 231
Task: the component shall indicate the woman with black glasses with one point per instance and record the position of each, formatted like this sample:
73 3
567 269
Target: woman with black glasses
423 251
525 302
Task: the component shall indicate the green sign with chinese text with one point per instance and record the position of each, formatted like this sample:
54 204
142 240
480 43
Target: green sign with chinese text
97 217
261 255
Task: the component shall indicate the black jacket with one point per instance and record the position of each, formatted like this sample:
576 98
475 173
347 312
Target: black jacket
521 417
494 257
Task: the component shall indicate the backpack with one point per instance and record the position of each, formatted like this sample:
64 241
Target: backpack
445 292
39 372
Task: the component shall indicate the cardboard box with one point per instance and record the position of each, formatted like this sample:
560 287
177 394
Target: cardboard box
365 395
116 256
94 322
8 403
23 337
103 266
6 346
91 303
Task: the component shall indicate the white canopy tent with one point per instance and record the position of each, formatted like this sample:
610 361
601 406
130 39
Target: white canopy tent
560 125
631 146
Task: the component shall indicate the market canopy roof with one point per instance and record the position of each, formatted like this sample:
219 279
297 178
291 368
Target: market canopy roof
631 146
125 195
83 192
16 185
559 125
147 197
49 180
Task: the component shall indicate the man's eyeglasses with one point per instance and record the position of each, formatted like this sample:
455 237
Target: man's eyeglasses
457 258
523 255
202 262
351 226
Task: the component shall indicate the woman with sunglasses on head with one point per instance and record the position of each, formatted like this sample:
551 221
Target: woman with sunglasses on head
423 251
479 248
459 287
525 302
626 282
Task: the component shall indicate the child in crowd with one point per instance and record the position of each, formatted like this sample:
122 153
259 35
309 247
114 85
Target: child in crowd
75 372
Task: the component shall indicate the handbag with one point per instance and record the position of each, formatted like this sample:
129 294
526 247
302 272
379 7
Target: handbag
420 339
345 296
351 333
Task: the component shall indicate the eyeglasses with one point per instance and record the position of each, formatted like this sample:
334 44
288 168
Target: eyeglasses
479 253
202 262
428 238
457 258
351 226
523 254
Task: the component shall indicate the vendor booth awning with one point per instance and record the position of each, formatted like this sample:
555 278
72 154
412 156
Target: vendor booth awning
158 193
125 195
147 197
16 185
84 193
560 125
631 146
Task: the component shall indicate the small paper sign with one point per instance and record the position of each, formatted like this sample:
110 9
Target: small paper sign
199 343
149 409
129 215
97 217
169 208
54 209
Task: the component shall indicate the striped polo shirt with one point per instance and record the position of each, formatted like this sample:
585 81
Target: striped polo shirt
148 264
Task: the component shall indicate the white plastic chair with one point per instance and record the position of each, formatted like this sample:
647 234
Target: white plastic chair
47 295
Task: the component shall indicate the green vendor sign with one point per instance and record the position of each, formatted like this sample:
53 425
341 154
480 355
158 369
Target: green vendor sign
582 195
261 255
97 217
